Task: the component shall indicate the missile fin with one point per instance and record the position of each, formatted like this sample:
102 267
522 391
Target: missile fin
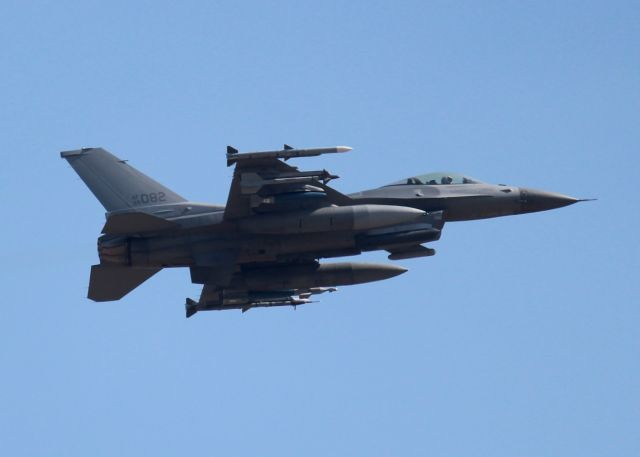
191 307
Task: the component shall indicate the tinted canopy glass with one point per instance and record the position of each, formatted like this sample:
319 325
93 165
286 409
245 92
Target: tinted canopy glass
436 179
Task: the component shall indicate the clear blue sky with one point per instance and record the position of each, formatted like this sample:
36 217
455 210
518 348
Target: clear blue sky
519 338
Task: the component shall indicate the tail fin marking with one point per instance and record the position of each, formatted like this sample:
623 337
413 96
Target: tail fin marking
115 183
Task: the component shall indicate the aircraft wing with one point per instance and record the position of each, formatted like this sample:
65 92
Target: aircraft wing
263 183
214 298
252 286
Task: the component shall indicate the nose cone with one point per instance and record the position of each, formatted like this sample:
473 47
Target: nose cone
532 200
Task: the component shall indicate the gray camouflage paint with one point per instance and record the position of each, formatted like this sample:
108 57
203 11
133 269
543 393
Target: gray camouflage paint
262 248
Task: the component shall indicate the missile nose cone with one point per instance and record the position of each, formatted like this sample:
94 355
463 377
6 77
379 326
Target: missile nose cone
533 200
343 149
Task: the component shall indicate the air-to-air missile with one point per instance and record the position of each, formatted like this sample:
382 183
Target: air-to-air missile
218 301
262 248
288 152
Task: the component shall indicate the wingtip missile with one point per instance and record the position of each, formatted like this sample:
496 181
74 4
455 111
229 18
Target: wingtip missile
287 147
286 153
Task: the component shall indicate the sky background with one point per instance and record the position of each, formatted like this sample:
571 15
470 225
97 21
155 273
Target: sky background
519 338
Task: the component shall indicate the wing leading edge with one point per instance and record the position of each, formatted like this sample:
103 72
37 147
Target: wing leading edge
264 183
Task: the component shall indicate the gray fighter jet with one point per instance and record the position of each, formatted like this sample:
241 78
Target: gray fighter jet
262 248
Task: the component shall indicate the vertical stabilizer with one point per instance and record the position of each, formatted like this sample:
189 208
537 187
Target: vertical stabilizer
115 183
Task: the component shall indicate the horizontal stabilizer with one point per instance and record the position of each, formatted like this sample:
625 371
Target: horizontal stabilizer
123 223
111 282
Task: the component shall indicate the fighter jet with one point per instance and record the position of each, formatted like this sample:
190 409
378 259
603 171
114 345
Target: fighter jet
263 247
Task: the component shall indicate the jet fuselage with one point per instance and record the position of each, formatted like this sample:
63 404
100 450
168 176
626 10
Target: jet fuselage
464 202
262 248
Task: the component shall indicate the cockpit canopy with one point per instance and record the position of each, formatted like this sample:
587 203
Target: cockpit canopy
436 179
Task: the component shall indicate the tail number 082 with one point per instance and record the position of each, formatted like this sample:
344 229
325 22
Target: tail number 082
151 197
